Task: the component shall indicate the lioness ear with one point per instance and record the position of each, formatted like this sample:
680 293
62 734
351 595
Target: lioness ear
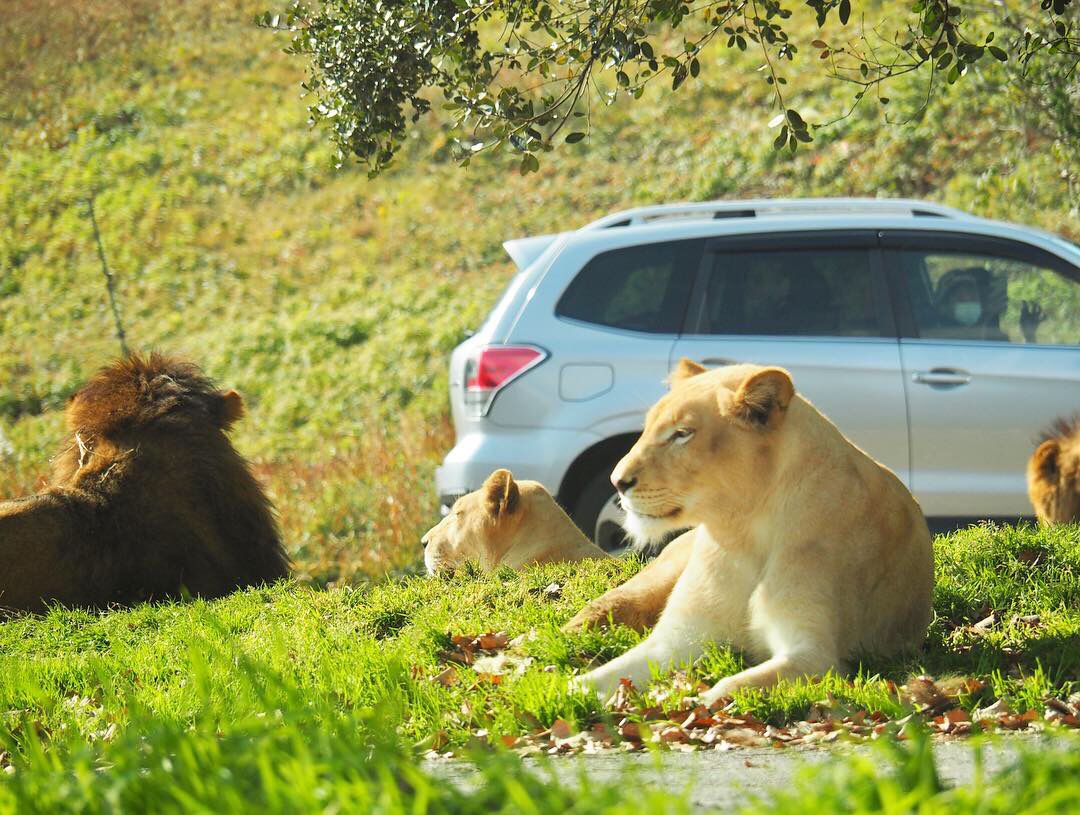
685 369
1045 458
764 397
501 493
231 409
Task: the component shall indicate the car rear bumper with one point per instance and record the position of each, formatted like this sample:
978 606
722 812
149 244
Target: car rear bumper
535 454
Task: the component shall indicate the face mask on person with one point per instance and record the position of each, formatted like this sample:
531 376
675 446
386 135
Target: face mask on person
967 313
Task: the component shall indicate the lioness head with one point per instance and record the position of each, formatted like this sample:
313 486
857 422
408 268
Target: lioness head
1054 474
708 447
505 522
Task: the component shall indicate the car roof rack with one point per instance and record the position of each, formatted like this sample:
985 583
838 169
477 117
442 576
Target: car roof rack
765 207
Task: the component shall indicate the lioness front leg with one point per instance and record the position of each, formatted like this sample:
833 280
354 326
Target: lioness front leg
638 602
677 637
767 674
664 647
797 628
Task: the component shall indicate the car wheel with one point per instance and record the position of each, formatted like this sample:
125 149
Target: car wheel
598 514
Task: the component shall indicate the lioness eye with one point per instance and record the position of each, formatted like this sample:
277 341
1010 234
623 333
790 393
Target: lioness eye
681 434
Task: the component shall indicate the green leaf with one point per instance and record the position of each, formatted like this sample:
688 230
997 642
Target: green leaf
529 164
781 139
998 53
845 11
574 138
695 67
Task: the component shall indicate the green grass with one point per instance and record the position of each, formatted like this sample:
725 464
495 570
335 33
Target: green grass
79 670
1043 779
297 753
293 698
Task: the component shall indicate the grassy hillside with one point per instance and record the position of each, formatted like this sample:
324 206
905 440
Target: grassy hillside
331 300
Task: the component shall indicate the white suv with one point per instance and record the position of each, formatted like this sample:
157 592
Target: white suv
939 342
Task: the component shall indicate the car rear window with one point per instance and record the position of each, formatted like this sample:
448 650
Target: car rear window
639 288
808 292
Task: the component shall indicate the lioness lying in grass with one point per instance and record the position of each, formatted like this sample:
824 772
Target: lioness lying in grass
805 549
505 523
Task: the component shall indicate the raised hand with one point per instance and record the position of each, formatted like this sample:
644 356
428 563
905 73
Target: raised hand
1031 316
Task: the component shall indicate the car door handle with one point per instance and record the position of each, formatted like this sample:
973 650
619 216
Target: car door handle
942 376
717 362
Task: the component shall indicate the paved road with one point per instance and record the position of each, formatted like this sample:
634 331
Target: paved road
725 780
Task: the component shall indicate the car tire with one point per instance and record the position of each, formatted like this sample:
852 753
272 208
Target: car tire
597 513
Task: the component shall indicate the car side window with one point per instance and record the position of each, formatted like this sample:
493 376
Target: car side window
811 292
986 297
639 288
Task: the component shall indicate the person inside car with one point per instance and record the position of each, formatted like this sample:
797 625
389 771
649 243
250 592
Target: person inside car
961 305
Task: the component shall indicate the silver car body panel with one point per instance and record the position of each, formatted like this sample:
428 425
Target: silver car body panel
962 451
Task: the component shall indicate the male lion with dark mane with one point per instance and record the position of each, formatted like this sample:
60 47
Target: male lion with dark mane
1054 474
147 499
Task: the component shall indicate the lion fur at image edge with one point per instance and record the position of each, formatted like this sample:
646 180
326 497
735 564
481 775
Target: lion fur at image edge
1054 473
147 498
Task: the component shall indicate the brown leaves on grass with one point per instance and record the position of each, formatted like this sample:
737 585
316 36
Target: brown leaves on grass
484 653
552 591
464 647
673 717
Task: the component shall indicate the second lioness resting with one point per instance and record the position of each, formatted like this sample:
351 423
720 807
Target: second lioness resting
505 523
805 550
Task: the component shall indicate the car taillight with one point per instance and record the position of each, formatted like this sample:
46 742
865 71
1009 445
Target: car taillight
491 369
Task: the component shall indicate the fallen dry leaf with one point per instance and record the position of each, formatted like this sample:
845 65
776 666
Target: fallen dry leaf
501 664
985 624
465 646
560 729
1030 555
671 734
447 677
992 712
622 699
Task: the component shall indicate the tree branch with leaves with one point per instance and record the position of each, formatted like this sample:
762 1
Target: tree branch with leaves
524 74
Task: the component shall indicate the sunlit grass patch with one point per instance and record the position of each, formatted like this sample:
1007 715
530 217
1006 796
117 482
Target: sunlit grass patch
290 752
903 778
357 646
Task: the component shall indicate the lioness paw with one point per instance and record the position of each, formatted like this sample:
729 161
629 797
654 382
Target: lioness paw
719 695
